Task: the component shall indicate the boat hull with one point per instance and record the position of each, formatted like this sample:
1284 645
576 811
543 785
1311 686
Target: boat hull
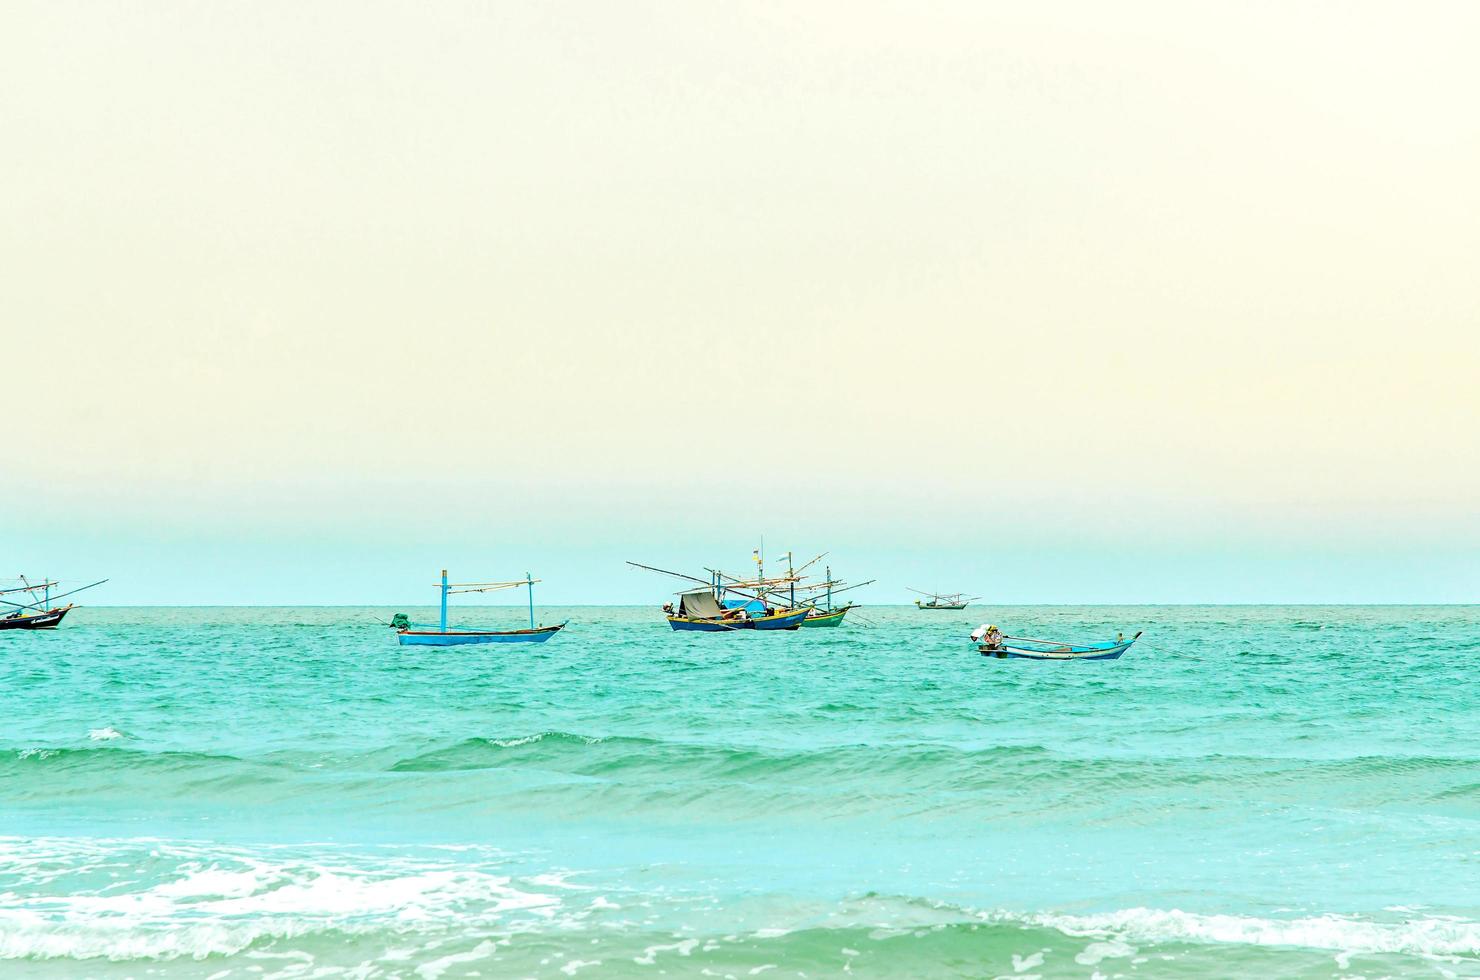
833 618
458 638
929 608
1092 651
780 621
48 620
685 625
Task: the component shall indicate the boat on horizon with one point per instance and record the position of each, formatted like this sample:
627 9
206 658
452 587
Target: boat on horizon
943 601
38 613
418 634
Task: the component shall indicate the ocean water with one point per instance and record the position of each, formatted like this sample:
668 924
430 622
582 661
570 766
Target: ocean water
255 792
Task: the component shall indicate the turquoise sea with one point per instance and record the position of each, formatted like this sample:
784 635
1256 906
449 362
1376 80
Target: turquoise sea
285 792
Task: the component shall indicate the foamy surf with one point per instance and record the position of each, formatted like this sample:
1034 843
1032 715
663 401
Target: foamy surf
195 900
1422 936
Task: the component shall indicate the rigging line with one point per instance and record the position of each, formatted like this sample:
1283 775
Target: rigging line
38 605
811 563
665 571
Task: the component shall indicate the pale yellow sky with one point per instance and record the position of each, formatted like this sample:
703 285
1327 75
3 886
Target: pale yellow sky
1106 267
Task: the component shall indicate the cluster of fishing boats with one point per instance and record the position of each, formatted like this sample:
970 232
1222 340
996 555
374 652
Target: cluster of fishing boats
718 602
724 603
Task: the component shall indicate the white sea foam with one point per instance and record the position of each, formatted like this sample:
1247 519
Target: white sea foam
105 734
1430 935
437 967
202 900
1022 964
649 956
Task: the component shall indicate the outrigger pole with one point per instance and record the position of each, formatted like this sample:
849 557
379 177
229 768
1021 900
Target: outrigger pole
713 583
665 571
35 605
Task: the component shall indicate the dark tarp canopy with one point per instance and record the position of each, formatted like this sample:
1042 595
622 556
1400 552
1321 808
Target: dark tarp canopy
699 605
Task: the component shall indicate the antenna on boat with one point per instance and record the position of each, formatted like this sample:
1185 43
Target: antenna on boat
529 583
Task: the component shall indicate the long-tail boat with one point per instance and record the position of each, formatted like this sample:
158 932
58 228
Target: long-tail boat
991 642
38 613
942 601
425 635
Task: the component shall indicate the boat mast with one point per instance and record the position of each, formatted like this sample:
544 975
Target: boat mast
444 600
760 570
829 588
529 582
791 574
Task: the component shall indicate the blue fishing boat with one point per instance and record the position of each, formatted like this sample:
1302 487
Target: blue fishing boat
418 634
991 642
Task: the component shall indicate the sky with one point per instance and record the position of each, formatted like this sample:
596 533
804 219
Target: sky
1071 302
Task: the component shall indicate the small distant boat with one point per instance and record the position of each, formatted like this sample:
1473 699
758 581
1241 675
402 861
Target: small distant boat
38 613
940 601
992 643
418 634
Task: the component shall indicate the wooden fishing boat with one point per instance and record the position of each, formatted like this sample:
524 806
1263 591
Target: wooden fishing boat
943 602
418 634
700 612
35 611
823 612
1024 648
826 617
48 620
